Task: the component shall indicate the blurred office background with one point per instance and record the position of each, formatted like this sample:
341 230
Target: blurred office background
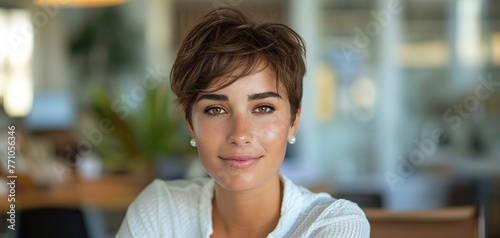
401 106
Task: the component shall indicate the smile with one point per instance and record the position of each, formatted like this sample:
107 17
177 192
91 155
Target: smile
240 162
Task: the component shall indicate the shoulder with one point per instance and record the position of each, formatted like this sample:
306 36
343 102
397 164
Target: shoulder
341 208
337 218
321 215
160 203
324 206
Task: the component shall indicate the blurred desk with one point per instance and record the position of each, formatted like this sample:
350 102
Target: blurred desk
107 193
477 167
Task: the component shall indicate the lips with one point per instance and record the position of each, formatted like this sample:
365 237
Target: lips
240 162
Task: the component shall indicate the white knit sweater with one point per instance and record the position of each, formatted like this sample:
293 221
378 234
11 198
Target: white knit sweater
183 209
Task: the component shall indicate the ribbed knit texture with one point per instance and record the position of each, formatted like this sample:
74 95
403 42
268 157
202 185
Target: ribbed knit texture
183 209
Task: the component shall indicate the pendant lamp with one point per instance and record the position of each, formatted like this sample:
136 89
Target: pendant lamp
79 3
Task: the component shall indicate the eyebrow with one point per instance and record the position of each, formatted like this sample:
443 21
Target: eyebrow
215 97
258 96
252 97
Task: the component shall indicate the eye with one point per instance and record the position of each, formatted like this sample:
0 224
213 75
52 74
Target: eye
264 109
215 110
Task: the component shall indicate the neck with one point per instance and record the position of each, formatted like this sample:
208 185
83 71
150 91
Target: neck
253 213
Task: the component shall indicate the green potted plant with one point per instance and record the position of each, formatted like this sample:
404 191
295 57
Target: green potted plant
153 135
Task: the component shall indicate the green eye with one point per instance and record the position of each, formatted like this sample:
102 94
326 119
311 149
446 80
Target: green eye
264 109
215 111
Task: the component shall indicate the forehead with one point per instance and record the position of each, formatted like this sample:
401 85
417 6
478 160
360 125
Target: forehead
262 74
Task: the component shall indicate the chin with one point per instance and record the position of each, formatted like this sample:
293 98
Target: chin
239 181
235 181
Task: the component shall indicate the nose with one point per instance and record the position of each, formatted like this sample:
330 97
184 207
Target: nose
240 130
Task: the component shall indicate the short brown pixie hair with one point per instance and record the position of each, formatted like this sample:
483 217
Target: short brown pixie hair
225 42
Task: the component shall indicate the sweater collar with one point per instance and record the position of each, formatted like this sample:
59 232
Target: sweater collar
290 208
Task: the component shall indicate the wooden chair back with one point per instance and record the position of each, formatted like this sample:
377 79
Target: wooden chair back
457 222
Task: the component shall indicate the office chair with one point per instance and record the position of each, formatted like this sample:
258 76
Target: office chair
52 222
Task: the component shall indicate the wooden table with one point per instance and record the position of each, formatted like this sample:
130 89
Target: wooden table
106 193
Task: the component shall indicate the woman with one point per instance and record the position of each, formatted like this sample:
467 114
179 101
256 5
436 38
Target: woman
240 86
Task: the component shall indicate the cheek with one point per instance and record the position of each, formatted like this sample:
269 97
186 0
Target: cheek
273 132
209 136
202 129
208 139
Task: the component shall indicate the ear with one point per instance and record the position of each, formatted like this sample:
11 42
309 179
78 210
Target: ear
295 127
190 129
188 125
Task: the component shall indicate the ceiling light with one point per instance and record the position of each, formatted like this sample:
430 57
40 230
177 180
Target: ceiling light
79 3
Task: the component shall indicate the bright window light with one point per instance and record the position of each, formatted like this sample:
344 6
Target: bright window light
20 37
3 39
18 95
469 32
16 83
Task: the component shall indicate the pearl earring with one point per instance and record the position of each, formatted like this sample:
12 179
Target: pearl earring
192 142
292 140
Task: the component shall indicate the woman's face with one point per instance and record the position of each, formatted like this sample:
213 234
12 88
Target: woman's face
241 131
